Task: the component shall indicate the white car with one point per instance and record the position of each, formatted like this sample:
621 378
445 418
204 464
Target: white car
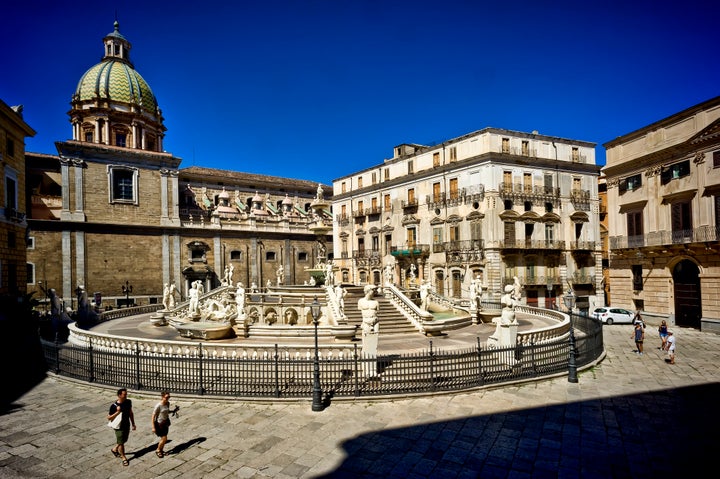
614 315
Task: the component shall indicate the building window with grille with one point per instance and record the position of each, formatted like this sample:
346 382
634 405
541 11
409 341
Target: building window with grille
436 192
681 220
270 256
437 235
9 147
302 256
374 177
123 184
637 278
635 228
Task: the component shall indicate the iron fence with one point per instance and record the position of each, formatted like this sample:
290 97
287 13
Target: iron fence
280 375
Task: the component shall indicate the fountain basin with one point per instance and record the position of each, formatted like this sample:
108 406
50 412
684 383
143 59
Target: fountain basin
204 330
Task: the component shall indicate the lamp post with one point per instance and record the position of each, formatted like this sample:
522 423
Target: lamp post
572 367
127 289
317 391
550 287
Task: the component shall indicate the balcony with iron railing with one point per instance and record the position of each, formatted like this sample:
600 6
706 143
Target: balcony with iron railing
366 253
520 191
532 244
580 199
408 204
580 245
373 210
458 246
582 278
357 213
413 249
702 234
534 280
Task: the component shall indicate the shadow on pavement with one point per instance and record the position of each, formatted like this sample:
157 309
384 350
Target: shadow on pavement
185 445
643 435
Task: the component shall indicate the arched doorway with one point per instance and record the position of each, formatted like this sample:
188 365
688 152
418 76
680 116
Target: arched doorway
688 306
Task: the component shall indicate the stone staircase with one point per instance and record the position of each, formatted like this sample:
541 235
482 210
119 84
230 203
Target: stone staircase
391 320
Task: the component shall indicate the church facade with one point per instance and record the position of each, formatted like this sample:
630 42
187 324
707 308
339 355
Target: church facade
114 213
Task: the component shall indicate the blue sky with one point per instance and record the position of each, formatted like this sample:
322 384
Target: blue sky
321 89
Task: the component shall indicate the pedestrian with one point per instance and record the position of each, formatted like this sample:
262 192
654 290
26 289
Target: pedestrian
161 421
638 319
639 336
663 331
670 346
123 407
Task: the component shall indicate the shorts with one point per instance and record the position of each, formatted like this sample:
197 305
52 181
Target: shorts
121 435
161 429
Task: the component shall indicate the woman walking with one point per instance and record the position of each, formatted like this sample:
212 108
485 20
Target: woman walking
161 421
663 331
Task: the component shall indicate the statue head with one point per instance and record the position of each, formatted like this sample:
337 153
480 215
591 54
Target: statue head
369 288
509 288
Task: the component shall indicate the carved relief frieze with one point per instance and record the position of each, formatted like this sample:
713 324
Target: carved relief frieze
653 171
612 182
699 158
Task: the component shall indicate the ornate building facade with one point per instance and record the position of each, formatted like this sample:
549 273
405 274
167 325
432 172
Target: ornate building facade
113 212
493 204
663 187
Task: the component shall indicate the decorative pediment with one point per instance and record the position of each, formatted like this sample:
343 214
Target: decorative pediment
360 232
509 215
374 230
709 133
454 219
436 221
579 217
550 218
474 215
410 220
529 217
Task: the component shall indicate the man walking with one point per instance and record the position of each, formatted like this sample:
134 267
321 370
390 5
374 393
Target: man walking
122 406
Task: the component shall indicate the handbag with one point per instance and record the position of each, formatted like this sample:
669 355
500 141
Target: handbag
115 423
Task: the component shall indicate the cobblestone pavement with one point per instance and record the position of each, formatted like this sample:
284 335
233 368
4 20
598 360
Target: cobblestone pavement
630 416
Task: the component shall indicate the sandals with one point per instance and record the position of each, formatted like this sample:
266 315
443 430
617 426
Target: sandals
159 453
115 453
125 462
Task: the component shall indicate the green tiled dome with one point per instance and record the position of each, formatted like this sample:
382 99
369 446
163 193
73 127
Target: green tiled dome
116 81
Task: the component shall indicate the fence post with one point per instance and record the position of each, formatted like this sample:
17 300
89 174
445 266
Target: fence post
572 367
481 376
432 368
201 389
277 373
355 363
137 365
92 362
57 356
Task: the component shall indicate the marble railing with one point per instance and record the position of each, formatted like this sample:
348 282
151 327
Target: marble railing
409 309
186 349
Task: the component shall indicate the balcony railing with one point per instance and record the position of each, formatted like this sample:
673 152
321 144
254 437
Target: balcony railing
532 244
702 234
357 213
582 245
458 246
366 253
582 278
519 190
534 280
373 210
410 250
409 203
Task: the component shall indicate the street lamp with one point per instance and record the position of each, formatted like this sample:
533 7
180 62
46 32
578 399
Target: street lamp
572 366
550 287
127 289
317 391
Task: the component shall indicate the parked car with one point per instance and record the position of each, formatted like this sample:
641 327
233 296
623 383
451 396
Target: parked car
614 315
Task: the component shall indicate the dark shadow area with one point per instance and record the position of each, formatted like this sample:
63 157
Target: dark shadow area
185 445
145 450
656 434
21 354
